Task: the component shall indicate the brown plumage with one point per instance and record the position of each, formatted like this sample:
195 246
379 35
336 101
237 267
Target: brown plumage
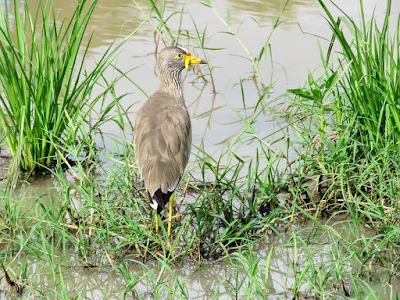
163 134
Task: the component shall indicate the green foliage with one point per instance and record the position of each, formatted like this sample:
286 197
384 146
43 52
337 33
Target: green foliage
362 87
45 87
371 86
98 217
231 210
347 122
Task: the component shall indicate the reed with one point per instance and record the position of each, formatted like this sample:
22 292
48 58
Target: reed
46 88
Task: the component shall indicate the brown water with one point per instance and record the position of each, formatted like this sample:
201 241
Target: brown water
213 280
214 118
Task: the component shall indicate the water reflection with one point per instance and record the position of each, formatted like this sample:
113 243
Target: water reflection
267 11
109 21
119 19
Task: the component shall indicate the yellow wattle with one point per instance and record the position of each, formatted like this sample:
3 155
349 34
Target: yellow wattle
187 61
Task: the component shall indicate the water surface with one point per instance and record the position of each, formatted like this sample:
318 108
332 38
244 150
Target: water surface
295 50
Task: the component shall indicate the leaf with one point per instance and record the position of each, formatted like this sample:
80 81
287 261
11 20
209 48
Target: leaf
315 89
302 93
227 32
331 80
207 3
238 158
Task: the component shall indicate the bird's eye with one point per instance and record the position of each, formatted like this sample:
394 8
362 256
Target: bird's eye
179 55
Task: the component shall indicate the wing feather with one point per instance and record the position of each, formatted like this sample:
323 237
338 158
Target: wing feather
162 141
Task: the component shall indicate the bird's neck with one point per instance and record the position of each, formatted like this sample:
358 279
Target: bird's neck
172 84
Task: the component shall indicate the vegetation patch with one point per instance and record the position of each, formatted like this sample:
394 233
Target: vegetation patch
332 212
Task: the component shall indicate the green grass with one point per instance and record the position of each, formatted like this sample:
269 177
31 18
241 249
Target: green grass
347 121
323 226
368 91
350 142
46 89
361 86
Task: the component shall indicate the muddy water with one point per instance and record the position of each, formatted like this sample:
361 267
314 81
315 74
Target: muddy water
216 280
215 116
294 50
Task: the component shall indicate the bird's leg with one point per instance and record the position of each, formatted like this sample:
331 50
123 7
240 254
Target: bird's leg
157 226
170 212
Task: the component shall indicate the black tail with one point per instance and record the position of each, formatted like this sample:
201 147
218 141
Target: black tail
161 199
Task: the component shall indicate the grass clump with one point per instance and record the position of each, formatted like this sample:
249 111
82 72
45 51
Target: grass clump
367 93
361 87
352 137
45 86
347 120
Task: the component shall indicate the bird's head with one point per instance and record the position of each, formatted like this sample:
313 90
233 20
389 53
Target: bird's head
174 59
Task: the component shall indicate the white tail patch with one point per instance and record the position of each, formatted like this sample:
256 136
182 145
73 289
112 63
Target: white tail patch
154 204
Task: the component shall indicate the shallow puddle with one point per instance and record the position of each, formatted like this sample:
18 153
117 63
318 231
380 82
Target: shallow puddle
294 47
211 280
295 50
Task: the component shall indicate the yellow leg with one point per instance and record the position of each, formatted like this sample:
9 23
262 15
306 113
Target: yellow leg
170 212
157 222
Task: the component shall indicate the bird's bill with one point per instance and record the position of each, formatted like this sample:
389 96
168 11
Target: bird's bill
193 60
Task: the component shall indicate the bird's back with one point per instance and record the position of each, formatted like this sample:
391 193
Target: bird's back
162 142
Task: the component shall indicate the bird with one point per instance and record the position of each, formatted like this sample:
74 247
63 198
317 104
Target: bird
163 132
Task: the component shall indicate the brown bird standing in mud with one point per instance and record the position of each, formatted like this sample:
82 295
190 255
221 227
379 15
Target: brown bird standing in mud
163 133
